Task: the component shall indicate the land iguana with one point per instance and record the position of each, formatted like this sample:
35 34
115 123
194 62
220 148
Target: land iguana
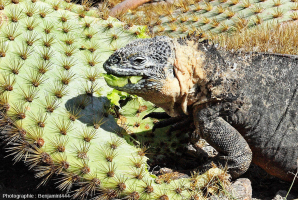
244 104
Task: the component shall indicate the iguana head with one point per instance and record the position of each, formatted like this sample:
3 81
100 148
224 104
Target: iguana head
160 70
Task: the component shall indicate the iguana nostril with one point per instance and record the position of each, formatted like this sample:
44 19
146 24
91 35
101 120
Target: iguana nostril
114 61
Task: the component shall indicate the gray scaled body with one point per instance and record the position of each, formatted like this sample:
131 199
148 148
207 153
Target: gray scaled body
244 104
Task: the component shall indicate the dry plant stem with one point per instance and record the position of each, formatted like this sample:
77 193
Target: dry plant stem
125 5
294 180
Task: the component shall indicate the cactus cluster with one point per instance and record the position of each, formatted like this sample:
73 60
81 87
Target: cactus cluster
162 143
55 109
210 17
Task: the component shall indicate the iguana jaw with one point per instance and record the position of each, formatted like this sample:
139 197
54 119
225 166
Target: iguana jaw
121 81
125 78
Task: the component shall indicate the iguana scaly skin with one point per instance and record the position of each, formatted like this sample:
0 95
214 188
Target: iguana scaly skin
244 104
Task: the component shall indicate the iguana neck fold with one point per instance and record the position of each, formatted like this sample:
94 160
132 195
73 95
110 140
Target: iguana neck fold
189 70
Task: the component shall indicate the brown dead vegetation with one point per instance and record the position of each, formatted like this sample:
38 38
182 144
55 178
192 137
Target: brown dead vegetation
274 38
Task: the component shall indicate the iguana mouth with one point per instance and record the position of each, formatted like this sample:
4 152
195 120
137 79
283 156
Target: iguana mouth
121 80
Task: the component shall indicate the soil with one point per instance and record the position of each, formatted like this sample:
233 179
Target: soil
265 186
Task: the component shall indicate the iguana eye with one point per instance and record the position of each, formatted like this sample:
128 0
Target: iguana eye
138 61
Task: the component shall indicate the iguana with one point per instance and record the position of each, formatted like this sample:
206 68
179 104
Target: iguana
244 104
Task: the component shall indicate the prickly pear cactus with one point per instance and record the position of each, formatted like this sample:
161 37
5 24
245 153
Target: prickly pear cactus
54 104
131 117
211 17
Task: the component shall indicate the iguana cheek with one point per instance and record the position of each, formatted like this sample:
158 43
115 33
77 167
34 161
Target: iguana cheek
167 91
171 88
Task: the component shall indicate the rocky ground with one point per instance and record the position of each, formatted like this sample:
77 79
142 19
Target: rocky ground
255 184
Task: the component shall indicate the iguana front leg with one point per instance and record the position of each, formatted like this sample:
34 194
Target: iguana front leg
175 123
232 147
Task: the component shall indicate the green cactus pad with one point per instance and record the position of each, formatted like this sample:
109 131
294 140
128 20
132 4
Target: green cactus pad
135 79
213 17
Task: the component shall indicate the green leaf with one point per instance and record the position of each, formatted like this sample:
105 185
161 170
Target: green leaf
115 96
